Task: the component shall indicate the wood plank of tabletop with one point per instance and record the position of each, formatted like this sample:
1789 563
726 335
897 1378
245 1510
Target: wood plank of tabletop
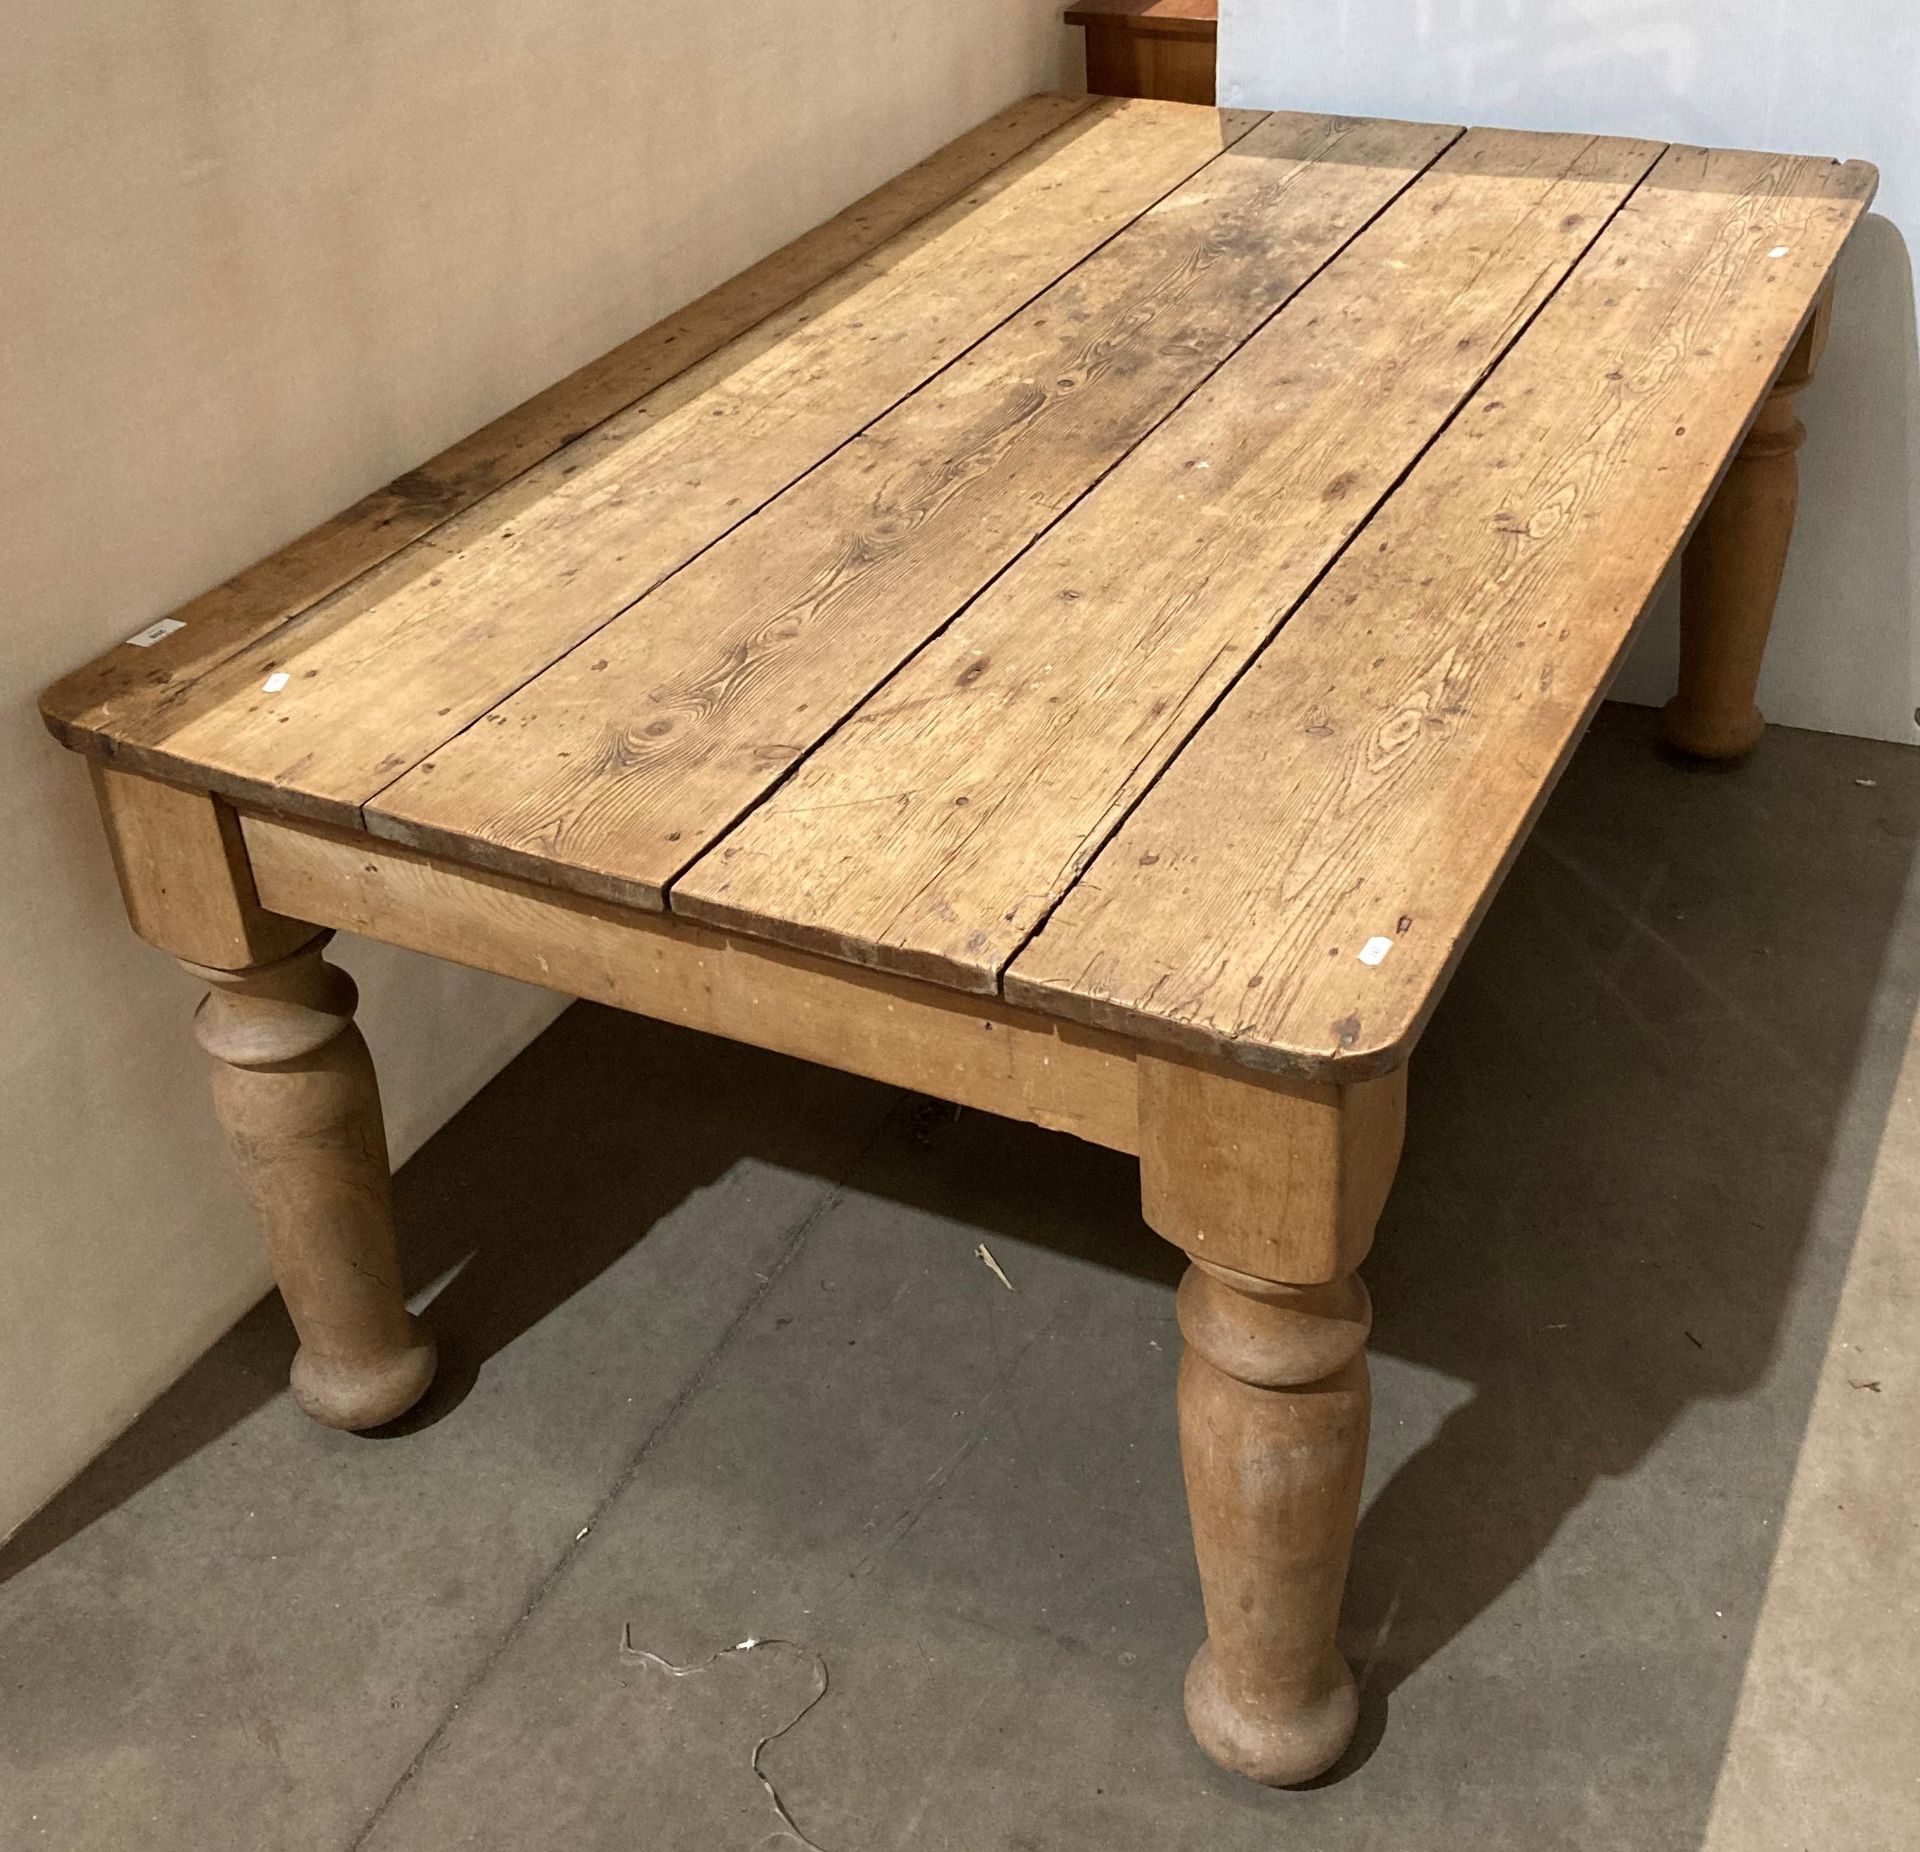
118 690
381 673
1372 776
611 771
939 826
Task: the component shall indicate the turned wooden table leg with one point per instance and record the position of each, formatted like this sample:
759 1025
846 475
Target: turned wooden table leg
1273 1192
295 1089
1730 576
1274 1403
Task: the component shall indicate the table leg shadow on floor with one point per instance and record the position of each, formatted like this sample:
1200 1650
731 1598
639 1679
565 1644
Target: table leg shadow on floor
484 1215
1626 1172
1621 1180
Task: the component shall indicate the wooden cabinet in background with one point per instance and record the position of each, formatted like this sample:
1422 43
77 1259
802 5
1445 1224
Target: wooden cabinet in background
1158 48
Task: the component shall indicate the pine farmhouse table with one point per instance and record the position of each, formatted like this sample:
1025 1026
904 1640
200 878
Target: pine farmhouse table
1081 634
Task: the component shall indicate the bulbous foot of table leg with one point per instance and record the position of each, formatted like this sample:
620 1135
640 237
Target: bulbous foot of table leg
1281 1747
1716 738
365 1392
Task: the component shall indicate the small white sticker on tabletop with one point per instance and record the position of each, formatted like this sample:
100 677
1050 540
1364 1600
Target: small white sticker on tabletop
1374 950
275 682
146 639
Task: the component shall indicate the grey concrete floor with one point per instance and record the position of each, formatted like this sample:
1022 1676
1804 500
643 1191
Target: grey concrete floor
1637 1563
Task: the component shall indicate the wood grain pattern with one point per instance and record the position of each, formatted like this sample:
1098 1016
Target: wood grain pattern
1730 574
183 874
1178 67
1214 777
1371 777
1174 16
616 767
974 1051
1273 1189
392 666
1163 48
121 691
1360 787
948 816
1275 1406
1282 1180
294 1088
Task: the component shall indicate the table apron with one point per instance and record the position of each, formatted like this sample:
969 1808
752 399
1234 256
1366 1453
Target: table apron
974 1051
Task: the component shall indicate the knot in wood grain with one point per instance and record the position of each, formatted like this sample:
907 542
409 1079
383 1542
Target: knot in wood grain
274 1013
1271 1336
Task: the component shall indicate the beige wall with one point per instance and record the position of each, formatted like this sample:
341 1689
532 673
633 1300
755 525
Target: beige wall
256 257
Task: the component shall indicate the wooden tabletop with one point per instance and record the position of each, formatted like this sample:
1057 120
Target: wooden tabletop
1148 561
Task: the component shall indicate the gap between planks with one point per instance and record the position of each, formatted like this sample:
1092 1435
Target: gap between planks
439 637
534 788
975 1052
889 883
83 709
1410 722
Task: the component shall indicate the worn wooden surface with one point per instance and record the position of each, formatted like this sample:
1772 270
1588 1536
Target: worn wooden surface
740 663
1274 1193
1136 565
1364 787
183 874
295 1090
1275 1404
397 662
126 693
1092 623
974 1051
1731 571
1282 1181
952 811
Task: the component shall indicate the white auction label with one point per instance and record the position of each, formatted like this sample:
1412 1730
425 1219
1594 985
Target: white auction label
146 639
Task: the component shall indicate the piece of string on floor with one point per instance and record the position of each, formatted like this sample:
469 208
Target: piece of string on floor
655 1663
